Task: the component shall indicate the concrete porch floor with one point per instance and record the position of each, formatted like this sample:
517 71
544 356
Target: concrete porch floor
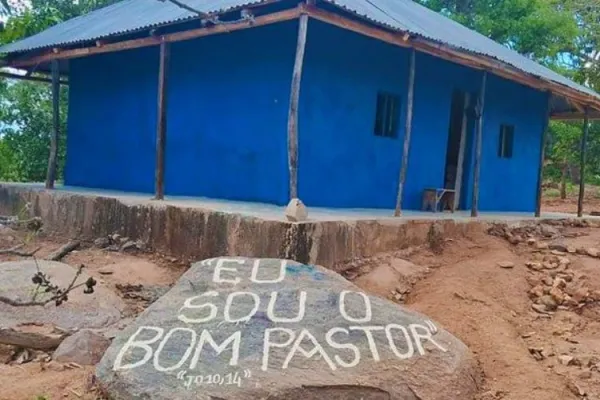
276 213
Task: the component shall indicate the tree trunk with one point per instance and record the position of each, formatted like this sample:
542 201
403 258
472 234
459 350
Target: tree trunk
563 182
575 176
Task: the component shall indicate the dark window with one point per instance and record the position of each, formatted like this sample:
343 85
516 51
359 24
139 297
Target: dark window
386 118
505 147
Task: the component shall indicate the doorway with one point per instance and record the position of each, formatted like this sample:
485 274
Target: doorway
455 150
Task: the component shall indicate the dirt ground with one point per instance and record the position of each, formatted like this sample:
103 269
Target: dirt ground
489 308
523 353
554 203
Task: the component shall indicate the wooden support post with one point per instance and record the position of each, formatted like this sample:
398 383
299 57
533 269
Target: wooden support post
292 128
586 129
407 133
478 140
161 125
538 200
461 151
51 173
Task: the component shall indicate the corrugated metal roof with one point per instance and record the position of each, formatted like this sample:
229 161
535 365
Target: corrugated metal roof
408 16
401 15
123 17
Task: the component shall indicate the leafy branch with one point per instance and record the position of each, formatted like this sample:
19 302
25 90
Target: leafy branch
45 285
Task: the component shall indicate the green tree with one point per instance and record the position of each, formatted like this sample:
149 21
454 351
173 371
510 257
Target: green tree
563 157
540 29
26 107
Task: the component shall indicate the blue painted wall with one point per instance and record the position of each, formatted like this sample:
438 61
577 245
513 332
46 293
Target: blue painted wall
112 121
227 115
343 164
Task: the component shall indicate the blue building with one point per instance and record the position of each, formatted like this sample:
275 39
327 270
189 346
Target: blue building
232 123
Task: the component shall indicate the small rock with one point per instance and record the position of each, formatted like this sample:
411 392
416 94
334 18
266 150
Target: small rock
514 239
548 231
540 308
6 353
559 283
537 353
506 264
24 357
575 389
589 360
129 245
557 295
569 302
536 291
565 359
548 353
567 277
106 271
296 211
548 302
548 281
541 246
54 366
84 347
527 335
536 266
564 261
580 295
549 265
560 247
571 250
531 241
592 252
115 237
595 295
102 242
571 340
585 374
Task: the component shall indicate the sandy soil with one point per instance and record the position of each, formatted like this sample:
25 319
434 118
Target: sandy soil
488 307
524 355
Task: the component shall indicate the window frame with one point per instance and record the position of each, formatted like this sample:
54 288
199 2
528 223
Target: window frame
506 141
387 115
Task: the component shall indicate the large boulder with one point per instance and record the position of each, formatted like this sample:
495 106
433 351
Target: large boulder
245 329
97 310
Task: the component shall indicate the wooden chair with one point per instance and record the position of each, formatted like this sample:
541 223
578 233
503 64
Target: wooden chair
433 198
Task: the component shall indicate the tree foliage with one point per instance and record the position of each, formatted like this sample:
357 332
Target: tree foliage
540 29
26 107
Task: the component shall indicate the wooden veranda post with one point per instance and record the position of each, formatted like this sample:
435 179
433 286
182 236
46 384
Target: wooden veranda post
584 136
407 133
478 140
161 125
51 173
461 151
538 199
292 128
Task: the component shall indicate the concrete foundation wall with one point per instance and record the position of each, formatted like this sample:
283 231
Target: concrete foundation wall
195 234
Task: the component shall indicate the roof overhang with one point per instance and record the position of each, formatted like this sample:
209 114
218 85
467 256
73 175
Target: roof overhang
567 102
